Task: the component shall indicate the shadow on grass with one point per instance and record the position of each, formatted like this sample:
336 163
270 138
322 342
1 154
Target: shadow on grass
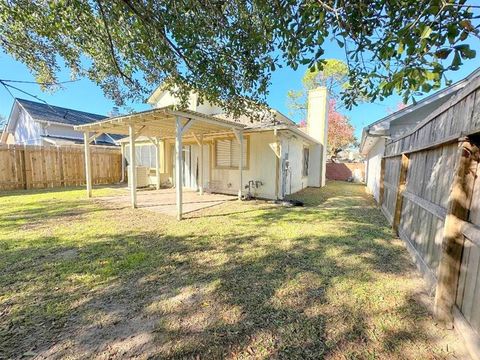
37 213
238 289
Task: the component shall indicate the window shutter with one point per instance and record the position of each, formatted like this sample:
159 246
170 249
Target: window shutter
223 153
236 153
228 153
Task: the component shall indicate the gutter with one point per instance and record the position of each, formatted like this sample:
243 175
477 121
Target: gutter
366 134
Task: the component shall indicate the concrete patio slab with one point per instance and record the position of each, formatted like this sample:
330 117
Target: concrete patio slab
163 200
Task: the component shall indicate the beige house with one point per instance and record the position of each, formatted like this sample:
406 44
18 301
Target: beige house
268 159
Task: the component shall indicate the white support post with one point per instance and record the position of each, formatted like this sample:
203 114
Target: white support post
157 158
133 166
178 167
239 136
200 165
88 163
122 146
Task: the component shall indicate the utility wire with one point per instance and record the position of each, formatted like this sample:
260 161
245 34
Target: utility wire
8 87
39 83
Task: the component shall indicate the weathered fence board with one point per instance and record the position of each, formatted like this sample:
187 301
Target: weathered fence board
35 167
432 148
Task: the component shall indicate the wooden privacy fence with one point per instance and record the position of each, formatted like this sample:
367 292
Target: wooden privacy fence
35 167
430 193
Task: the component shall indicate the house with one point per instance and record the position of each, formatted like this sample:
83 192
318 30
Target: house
268 159
34 123
374 136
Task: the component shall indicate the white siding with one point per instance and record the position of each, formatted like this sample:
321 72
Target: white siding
27 131
292 149
62 131
167 99
261 168
373 167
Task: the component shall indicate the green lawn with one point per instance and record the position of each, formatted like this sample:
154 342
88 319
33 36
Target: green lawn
82 279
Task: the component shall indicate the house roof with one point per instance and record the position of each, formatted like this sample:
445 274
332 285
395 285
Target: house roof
50 113
411 115
47 113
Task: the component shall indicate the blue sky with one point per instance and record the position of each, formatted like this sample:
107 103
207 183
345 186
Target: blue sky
85 95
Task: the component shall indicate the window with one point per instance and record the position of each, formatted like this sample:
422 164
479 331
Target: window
306 158
144 155
227 153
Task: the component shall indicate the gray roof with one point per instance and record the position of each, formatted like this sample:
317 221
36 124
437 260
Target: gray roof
408 117
57 114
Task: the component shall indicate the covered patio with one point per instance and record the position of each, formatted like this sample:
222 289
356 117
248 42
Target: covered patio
159 125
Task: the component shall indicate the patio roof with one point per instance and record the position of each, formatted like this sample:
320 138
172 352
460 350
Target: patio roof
161 123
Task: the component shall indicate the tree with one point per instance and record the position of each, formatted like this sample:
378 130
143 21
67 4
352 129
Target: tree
333 75
340 131
227 50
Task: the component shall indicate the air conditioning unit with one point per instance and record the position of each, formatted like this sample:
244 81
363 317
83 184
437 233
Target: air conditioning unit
142 176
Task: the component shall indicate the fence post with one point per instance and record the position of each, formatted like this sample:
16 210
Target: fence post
457 210
402 178
27 167
88 163
60 166
382 179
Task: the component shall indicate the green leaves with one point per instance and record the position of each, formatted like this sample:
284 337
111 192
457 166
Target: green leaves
227 50
465 51
427 30
443 53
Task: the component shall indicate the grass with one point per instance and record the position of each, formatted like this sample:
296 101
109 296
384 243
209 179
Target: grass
246 280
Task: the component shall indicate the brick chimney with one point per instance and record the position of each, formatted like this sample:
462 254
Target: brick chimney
317 128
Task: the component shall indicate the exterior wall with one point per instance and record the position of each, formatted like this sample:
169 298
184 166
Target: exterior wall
373 168
291 179
10 139
209 109
205 107
27 131
261 167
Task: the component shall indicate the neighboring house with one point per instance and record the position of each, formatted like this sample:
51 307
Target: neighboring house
372 145
33 123
279 157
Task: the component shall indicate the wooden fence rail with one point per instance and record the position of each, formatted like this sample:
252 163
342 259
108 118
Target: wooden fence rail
430 193
36 167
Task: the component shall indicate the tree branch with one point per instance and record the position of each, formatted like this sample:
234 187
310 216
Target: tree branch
112 47
163 34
